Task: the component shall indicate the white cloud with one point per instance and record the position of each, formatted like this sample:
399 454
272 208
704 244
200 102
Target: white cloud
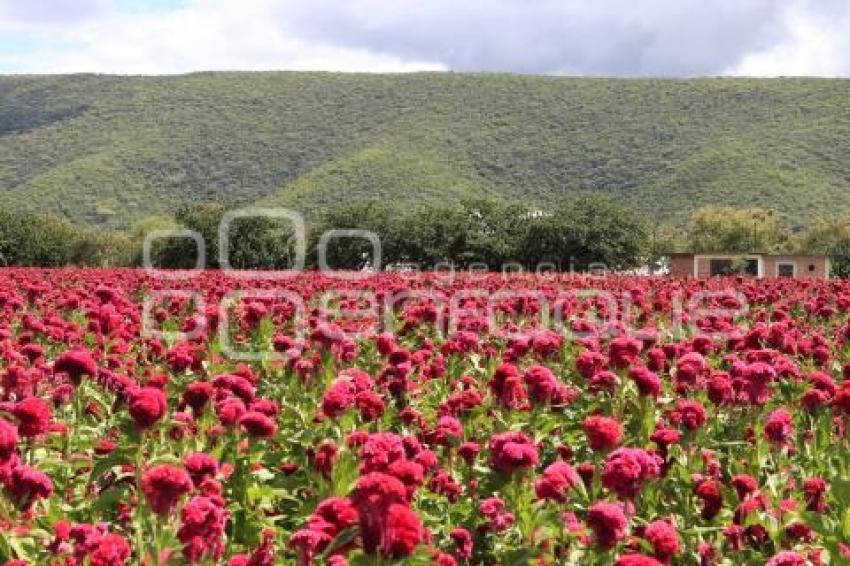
817 44
202 35
599 37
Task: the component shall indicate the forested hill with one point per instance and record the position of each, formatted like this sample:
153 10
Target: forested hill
111 150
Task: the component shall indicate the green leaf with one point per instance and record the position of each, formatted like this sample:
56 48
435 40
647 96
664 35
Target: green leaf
342 539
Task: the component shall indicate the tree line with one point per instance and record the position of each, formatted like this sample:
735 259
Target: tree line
573 233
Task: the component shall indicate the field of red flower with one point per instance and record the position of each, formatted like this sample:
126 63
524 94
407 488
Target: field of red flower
422 419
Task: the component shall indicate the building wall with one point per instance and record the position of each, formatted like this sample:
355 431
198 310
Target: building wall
805 266
703 262
682 266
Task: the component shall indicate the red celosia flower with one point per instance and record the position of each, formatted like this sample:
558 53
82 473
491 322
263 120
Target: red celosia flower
512 451
626 469
647 382
197 394
787 558
402 533
386 344
200 466
238 385
339 397
637 560
111 550
719 387
664 540
308 543
689 369
815 492
258 425
608 523
468 451
624 351
757 378
229 410
449 430
712 498
163 487
370 404
373 495
690 414
105 446
557 479
604 380
463 543
8 441
324 457
147 405
33 414
814 399
76 364
603 433
744 485
202 524
498 518
779 427
379 450
589 363
26 485
507 387
544 387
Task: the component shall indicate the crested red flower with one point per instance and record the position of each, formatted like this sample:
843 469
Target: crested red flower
624 351
76 363
403 532
147 405
603 433
608 523
664 540
589 363
200 466
637 560
814 490
626 469
112 550
202 524
787 558
712 498
197 394
26 485
33 415
690 414
8 441
512 451
557 479
164 485
779 427
508 388
463 543
647 382
258 425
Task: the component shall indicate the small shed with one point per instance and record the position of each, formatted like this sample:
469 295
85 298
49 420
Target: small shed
754 264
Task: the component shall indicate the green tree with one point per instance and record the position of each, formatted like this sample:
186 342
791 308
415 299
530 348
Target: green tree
831 237
585 230
727 229
253 242
496 232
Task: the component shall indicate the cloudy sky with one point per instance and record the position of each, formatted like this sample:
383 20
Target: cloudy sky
571 37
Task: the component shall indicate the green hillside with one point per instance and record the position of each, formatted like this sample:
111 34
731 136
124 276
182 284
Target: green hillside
111 150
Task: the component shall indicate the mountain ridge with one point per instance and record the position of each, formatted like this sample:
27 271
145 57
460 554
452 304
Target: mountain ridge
110 150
